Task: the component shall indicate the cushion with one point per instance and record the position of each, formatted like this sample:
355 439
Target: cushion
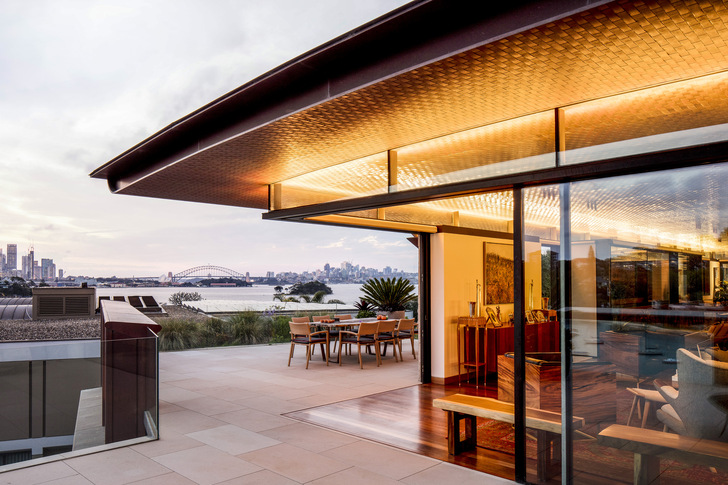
717 354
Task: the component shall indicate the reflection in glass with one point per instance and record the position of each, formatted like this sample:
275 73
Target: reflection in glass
512 146
645 255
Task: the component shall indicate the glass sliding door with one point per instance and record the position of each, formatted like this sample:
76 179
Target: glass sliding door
542 373
649 326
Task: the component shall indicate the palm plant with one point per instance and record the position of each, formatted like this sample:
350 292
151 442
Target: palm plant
388 294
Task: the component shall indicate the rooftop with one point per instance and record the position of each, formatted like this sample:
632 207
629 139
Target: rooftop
221 422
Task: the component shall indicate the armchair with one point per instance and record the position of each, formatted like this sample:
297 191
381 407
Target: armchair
690 411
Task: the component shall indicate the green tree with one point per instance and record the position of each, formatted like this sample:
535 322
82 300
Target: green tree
309 288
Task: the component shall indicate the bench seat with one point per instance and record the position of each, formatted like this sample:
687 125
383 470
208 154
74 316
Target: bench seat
650 446
461 407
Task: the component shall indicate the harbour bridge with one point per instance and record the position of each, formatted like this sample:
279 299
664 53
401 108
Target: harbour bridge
207 271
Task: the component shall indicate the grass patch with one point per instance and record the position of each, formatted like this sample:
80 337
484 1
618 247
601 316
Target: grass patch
188 331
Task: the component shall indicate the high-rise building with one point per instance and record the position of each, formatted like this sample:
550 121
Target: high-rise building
12 259
31 263
60 274
48 269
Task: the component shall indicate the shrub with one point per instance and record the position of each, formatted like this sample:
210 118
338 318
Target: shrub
365 309
178 334
180 296
275 329
215 332
245 328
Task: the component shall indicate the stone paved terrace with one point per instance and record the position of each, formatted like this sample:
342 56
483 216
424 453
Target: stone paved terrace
220 422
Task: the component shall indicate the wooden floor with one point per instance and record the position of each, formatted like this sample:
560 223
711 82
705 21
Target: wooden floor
406 419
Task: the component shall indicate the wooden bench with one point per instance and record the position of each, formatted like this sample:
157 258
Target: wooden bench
461 407
650 446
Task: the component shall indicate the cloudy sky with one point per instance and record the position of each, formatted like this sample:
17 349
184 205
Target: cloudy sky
82 81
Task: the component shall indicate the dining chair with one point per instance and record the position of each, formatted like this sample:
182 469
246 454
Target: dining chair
406 330
301 334
333 331
386 334
300 319
345 316
366 336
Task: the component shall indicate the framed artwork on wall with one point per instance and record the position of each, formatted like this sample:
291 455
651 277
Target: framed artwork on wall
499 273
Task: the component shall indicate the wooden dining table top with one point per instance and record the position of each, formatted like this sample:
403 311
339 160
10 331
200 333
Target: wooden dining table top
346 323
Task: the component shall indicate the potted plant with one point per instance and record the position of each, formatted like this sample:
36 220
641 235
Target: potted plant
720 297
389 295
365 309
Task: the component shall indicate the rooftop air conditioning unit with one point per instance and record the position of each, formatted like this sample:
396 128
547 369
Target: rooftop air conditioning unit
63 302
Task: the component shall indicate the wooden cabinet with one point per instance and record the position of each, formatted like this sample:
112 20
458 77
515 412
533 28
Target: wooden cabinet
478 351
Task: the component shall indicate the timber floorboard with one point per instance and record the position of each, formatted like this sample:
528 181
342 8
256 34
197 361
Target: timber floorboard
405 418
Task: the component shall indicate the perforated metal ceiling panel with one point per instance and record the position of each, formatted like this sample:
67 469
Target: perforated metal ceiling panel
610 49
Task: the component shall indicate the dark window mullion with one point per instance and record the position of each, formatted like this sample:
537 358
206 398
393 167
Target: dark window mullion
519 341
567 474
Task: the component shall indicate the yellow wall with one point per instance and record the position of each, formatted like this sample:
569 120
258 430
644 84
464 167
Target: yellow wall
456 264
584 297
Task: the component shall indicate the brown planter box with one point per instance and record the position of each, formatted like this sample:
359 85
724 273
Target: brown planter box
594 386
621 349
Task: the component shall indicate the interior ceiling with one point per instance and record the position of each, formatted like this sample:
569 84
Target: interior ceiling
610 49
685 208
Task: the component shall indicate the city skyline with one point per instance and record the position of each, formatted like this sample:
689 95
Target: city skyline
81 86
11 267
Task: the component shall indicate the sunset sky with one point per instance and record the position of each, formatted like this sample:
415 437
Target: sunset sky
82 81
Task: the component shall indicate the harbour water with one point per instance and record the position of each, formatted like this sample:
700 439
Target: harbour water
348 293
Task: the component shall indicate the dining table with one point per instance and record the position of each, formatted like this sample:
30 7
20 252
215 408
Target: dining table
340 324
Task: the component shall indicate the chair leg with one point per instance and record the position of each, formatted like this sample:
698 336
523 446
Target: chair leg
412 342
631 411
361 364
645 412
308 354
323 353
328 351
290 356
